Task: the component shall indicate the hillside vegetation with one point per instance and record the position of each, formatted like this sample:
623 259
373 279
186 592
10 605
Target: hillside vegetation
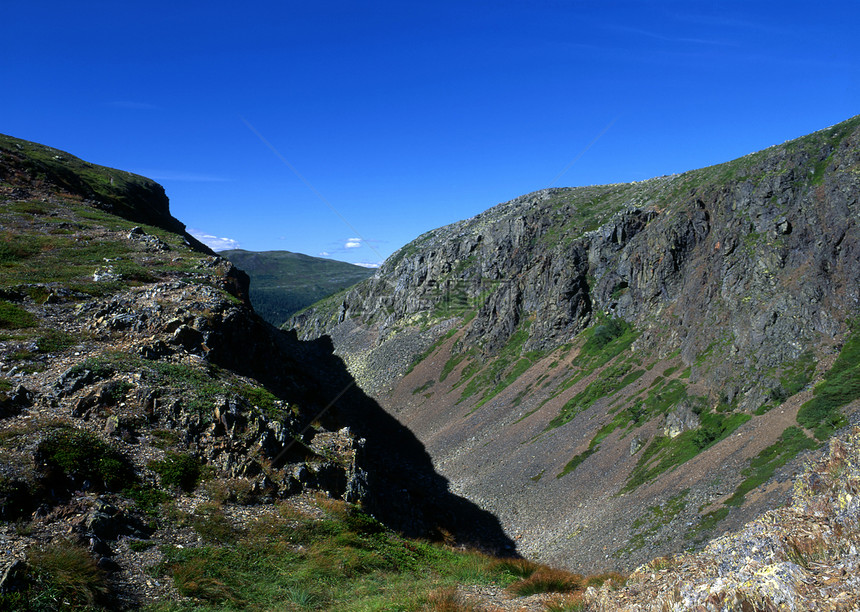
283 283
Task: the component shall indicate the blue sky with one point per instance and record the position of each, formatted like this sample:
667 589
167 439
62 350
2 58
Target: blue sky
350 128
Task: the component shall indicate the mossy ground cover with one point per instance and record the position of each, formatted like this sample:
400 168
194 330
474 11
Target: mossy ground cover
796 374
646 527
67 247
490 379
664 453
841 385
791 442
197 387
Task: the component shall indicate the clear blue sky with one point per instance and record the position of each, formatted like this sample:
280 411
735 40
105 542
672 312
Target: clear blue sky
407 116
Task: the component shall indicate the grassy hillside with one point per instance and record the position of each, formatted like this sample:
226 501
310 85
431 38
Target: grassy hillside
283 283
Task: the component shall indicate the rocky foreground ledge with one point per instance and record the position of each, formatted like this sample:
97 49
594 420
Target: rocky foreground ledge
803 556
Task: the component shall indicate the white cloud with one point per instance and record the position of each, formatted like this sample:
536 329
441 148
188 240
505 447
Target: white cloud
352 244
214 242
325 254
368 265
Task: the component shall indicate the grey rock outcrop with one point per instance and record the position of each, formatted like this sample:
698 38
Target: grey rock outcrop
759 258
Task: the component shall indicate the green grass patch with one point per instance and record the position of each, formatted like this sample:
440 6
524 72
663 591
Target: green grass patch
576 461
606 341
707 523
791 442
601 343
797 374
654 519
423 387
612 379
140 545
426 353
664 453
262 398
840 386
452 363
55 341
503 369
15 317
346 561
763 409
61 575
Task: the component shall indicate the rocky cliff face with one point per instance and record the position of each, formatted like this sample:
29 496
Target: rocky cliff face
620 337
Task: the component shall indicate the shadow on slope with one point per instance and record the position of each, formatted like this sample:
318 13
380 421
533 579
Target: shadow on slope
404 490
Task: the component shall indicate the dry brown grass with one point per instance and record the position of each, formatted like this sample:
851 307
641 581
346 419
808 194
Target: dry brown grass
70 569
548 580
611 579
194 579
446 600
565 603
522 568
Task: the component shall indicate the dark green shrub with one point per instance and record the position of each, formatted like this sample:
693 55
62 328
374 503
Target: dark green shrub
16 499
147 497
100 367
604 334
15 317
80 455
177 470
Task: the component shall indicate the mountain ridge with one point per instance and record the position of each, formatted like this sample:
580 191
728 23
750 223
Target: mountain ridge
626 336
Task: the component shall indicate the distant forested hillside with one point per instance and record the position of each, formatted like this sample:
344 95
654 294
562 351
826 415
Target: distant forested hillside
283 283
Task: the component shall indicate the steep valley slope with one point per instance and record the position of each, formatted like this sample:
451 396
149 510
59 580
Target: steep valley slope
624 371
